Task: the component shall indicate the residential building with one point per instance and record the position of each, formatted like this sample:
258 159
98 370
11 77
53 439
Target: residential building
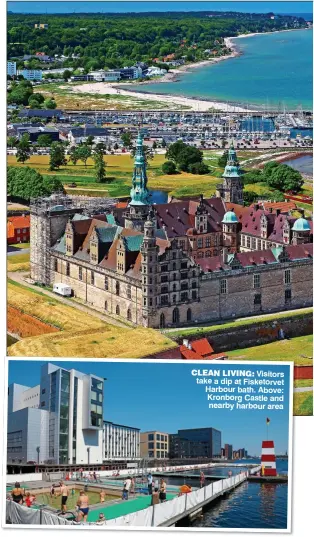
78 135
39 56
195 443
199 349
41 26
105 76
11 68
120 442
154 445
44 114
18 229
228 451
31 74
60 420
130 73
34 132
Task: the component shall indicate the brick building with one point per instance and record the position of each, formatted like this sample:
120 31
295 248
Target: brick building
177 263
18 229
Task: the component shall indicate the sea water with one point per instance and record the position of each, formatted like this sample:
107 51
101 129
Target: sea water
274 70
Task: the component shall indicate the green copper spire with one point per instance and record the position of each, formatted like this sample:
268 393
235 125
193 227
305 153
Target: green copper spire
232 167
139 193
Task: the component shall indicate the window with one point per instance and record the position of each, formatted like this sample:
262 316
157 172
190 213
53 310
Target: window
253 244
287 277
194 295
129 291
92 278
175 316
43 391
151 454
184 276
207 242
164 289
184 286
43 403
164 268
248 242
68 269
189 315
157 436
288 295
174 255
117 310
164 278
150 445
184 265
184 296
174 299
151 436
117 288
258 299
162 438
56 265
80 273
223 287
200 243
164 300
106 305
162 321
256 281
129 315
106 283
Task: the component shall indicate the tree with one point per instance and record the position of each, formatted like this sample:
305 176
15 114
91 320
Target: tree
44 140
126 139
169 167
57 156
282 177
66 74
222 161
99 166
27 183
23 149
89 140
199 168
83 152
35 100
50 104
253 176
12 141
184 155
73 156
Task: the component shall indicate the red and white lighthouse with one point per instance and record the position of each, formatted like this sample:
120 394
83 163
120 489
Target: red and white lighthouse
268 458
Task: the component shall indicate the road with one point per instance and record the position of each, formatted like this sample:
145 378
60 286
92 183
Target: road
19 278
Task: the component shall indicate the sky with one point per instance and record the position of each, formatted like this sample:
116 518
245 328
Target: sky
122 7
165 397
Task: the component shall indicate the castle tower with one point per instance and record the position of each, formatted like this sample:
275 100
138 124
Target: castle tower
230 231
201 215
48 221
232 188
138 208
301 231
268 458
149 251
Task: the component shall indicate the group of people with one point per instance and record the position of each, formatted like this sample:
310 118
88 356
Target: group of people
157 491
128 488
19 495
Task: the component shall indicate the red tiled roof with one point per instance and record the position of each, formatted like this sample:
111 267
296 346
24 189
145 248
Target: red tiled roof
202 346
20 221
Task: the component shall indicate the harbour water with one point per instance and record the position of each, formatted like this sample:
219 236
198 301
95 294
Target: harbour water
303 164
272 69
251 505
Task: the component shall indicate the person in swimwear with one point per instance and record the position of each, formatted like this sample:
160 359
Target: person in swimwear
83 507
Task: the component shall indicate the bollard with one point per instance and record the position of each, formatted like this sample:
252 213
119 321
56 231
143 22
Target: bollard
40 516
153 515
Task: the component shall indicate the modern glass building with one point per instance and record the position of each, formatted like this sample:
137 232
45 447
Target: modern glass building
194 443
60 421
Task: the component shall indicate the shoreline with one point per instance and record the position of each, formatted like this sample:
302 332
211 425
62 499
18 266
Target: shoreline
195 104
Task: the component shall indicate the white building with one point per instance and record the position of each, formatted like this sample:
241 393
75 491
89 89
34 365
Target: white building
60 420
105 76
120 442
31 74
156 71
11 68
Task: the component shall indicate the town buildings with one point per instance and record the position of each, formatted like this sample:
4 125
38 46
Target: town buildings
18 229
154 445
228 451
11 68
195 443
31 74
120 442
60 420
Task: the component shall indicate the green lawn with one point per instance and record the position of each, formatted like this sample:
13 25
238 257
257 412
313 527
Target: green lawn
303 404
298 349
303 383
203 330
21 245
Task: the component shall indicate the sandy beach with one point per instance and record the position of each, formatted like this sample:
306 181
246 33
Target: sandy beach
201 105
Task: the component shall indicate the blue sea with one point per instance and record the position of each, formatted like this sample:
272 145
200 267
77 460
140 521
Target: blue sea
274 70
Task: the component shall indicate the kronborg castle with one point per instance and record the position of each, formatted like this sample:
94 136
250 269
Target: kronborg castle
178 263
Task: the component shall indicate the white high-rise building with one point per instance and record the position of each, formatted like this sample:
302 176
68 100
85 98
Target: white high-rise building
120 442
11 68
60 420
